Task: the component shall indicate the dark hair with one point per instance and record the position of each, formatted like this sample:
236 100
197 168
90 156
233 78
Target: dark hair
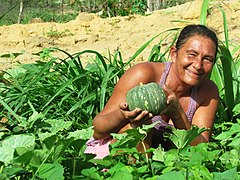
192 30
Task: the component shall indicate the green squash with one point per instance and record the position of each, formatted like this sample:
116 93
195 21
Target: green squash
149 97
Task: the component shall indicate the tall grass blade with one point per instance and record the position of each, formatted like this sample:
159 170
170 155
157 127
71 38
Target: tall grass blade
203 14
147 43
59 91
9 109
226 60
216 76
98 55
40 75
225 27
104 86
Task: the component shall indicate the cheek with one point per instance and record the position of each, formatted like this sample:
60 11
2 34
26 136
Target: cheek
208 68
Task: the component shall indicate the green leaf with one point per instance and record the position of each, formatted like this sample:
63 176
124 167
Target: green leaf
38 157
236 109
228 73
183 138
199 171
171 157
58 125
24 158
124 172
14 73
203 14
217 77
46 135
11 171
60 147
9 145
6 154
159 155
91 173
51 171
229 174
22 140
8 108
84 134
231 158
225 27
172 175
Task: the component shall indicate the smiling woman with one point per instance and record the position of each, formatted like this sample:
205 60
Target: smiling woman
194 60
191 98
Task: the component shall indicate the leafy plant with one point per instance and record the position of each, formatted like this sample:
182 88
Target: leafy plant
58 34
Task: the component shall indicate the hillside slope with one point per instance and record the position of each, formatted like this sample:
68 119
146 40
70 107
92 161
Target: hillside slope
89 31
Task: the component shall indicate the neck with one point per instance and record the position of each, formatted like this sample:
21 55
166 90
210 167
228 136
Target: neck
180 88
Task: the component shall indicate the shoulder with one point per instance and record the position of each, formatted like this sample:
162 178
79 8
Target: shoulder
147 71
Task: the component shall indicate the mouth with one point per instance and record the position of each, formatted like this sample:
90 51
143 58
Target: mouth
194 73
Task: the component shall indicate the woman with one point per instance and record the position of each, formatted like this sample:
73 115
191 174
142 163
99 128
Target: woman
192 99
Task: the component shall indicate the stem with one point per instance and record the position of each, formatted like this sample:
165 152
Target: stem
1 169
145 149
43 162
74 167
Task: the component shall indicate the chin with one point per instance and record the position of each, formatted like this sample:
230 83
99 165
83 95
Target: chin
194 82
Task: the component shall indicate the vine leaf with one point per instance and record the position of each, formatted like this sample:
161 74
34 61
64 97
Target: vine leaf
182 138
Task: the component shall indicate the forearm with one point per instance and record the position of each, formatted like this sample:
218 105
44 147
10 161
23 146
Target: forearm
108 123
199 139
180 119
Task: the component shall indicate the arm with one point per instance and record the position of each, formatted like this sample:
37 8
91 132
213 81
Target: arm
115 114
204 115
206 112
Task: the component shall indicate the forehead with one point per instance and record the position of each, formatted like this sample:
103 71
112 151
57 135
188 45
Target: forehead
200 43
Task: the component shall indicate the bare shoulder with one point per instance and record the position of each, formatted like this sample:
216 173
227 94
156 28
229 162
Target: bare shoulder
146 72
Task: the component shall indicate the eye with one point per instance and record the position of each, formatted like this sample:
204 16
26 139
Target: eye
191 54
209 59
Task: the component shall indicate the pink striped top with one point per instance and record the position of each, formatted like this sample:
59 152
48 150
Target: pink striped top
192 105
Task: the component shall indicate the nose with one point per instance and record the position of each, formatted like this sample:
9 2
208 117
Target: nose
198 63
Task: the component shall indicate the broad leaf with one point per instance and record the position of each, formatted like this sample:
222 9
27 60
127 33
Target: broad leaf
9 145
229 174
183 138
172 175
51 171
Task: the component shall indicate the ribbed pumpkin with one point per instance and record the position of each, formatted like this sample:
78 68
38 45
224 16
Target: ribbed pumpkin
150 97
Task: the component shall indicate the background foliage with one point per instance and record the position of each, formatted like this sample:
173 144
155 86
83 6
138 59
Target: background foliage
65 10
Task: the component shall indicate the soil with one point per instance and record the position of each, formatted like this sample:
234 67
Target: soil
128 34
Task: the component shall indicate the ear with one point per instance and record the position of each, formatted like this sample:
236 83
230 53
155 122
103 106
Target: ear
173 53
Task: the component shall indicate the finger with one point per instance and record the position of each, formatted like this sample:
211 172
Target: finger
123 105
136 112
167 90
144 115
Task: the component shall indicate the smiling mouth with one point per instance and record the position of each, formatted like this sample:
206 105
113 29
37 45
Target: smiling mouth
196 74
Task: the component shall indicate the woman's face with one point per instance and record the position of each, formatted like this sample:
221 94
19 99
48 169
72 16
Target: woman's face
194 60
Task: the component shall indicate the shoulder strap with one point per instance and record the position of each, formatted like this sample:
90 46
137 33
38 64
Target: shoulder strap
165 73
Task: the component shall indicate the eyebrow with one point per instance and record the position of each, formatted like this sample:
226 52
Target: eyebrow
207 55
191 50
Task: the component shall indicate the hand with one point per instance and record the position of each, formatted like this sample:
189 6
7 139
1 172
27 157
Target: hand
137 116
172 102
